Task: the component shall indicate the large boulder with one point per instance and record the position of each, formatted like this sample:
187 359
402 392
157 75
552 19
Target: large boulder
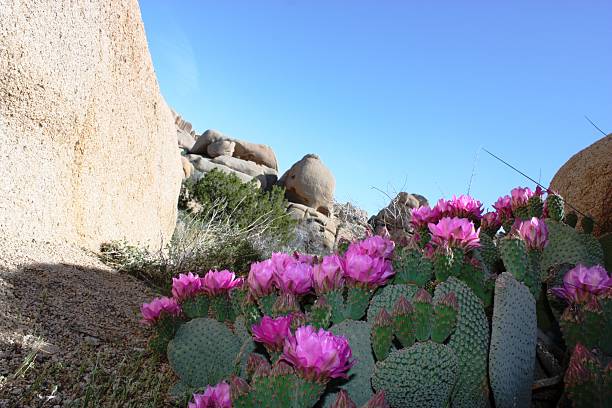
311 183
585 182
88 148
258 153
395 218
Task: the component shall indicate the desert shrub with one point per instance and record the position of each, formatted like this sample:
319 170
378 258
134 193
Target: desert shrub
244 204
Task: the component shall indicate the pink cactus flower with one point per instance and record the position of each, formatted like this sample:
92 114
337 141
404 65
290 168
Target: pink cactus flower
318 355
534 232
218 282
282 260
367 270
520 196
328 275
582 283
213 397
158 307
491 221
304 258
296 278
377 246
272 332
261 278
454 233
463 206
503 206
423 215
186 285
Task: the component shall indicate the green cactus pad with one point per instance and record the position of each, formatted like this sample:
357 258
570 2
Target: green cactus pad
221 308
488 251
411 267
382 335
444 321
335 299
320 314
514 254
421 376
247 344
196 306
470 342
448 264
357 301
386 298
358 386
203 352
554 205
566 245
513 343
606 245
536 205
280 391
423 316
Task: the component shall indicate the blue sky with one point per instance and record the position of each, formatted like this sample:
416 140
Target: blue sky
393 95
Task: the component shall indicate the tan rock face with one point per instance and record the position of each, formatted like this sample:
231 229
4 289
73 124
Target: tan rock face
311 183
585 181
88 148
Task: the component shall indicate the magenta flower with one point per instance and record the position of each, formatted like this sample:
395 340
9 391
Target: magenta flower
423 215
272 332
582 283
503 206
281 260
296 278
365 269
454 233
463 206
218 282
152 312
534 232
186 286
328 275
304 258
520 196
318 355
377 246
213 397
261 278
491 221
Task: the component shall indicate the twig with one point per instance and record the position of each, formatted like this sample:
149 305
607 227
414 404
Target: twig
547 382
594 125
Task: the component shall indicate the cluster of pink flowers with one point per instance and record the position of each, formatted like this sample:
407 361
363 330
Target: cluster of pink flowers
272 332
318 355
158 307
582 284
534 232
364 262
503 206
213 397
463 206
422 216
491 221
519 197
454 233
188 285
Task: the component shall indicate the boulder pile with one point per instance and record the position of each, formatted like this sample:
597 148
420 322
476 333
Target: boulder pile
308 183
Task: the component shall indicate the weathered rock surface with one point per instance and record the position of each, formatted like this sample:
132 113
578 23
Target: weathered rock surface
203 165
395 218
311 183
585 181
221 148
188 168
184 132
258 153
87 143
352 222
244 166
315 232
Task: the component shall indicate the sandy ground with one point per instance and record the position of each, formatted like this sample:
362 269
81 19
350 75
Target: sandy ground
60 307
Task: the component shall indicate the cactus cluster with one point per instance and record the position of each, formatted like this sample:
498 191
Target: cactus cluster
432 324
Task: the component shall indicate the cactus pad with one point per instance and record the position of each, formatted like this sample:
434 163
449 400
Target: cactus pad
387 297
566 245
513 343
204 351
420 376
470 342
412 267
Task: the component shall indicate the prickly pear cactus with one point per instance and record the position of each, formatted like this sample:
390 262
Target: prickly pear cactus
514 254
470 342
387 297
204 351
411 267
566 245
358 386
513 343
555 206
279 391
421 376
196 306
488 251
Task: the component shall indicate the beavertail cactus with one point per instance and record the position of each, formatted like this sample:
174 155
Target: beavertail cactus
423 314
555 206
404 322
382 335
445 317
587 382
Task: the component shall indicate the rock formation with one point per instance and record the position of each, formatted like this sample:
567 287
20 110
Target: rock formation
395 218
87 143
585 181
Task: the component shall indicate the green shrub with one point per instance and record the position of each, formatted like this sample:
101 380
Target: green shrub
244 204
